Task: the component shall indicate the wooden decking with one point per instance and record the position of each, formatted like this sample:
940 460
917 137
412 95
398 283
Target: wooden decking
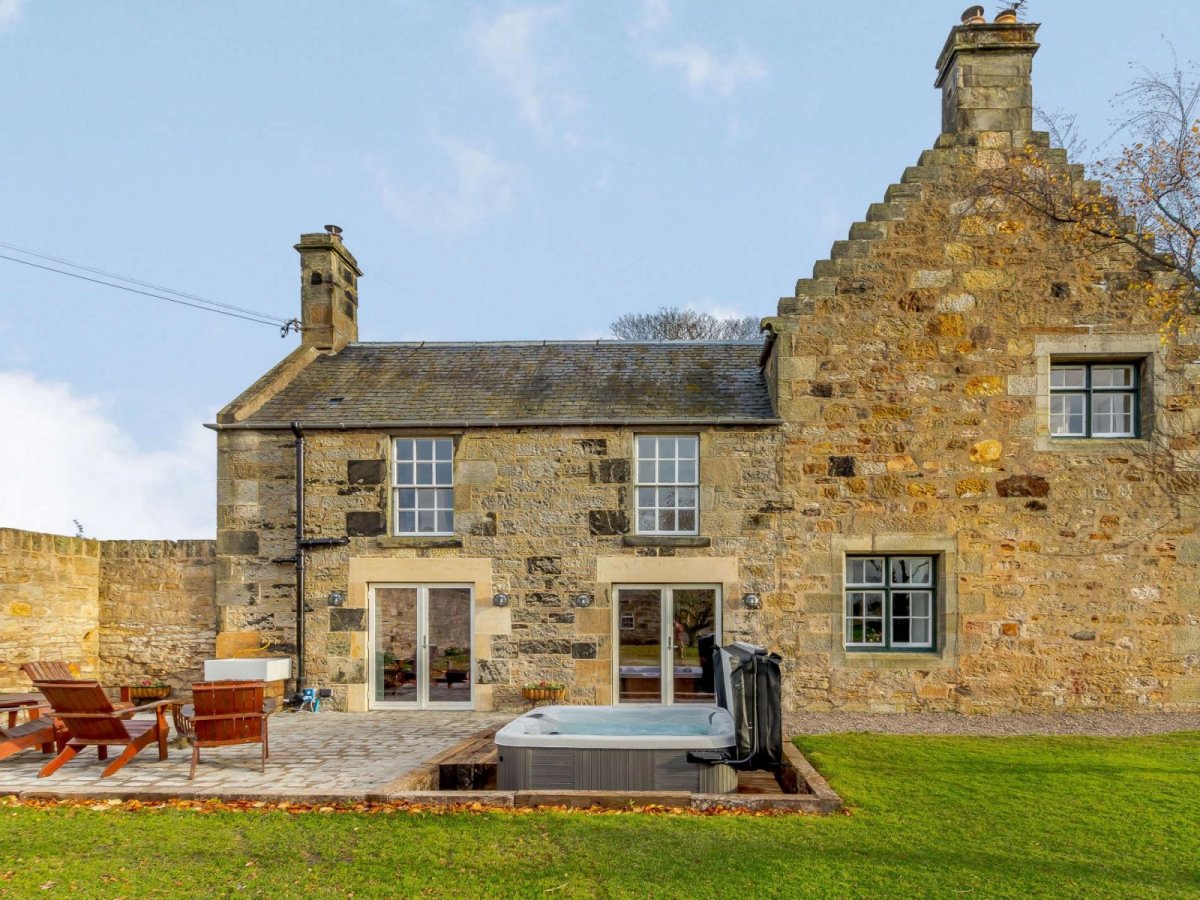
472 766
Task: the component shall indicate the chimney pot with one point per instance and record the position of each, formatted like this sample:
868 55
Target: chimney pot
1007 17
973 15
335 230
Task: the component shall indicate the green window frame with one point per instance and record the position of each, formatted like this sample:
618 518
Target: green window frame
1099 399
891 602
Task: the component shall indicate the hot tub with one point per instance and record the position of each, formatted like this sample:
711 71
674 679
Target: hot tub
616 748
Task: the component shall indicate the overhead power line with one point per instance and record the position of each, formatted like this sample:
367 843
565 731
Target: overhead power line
158 292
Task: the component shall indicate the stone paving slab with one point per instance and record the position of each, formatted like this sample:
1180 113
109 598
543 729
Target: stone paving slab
315 758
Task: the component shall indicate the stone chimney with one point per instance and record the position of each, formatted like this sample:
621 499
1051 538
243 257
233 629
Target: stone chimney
984 73
329 277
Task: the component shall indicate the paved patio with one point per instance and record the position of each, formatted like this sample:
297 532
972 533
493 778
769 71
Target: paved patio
314 758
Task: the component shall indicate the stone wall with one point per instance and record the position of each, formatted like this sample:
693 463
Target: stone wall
157 610
539 506
119 611
914 370
49 603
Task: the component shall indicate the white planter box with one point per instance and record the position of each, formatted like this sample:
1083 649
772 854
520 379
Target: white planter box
269 669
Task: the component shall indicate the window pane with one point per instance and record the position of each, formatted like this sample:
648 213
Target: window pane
404 449
920 604
404 473
900 604
424 472
912 570
443 449
687 520
666 448
666 497
1068 376
424 448
444 472
687 497
864 570
1112 414
874 604
646 471
920 631
856 632
646 520
900 631
408 498
426 520
424 498
874 631
645 448
686 447
686 471
666 472
444 498
1067 414
445 521
645 497
406 521
855 604
666 520
1112 376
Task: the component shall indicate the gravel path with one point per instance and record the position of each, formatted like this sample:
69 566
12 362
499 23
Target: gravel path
1092 723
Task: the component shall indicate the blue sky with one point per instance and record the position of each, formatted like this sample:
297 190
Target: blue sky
501 170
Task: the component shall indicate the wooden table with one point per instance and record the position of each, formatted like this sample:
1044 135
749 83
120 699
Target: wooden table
14 703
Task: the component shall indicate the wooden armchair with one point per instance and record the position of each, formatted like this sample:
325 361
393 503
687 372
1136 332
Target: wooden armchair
227 713
91 720
57 670
34 732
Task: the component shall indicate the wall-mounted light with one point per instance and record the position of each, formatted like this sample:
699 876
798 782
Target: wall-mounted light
751 601
501 599
581 601
337 598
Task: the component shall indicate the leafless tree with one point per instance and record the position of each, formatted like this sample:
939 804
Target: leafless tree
670 323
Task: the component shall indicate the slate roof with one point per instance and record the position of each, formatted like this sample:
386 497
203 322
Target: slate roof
551 382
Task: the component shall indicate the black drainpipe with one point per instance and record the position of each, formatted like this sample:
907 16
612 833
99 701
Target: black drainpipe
303 544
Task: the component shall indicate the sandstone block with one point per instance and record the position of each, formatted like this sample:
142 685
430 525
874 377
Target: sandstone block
986 451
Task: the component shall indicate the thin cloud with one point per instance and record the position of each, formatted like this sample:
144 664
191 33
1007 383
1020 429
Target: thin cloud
506 45
10 12
482 187
655 14
707 72
78 464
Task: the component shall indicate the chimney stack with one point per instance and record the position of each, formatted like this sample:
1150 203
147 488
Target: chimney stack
329 277
984 72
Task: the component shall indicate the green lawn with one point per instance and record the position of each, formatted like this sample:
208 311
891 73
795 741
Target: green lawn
949 817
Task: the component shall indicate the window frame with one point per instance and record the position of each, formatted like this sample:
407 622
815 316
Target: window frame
639 483
1089 391
415 485
887 587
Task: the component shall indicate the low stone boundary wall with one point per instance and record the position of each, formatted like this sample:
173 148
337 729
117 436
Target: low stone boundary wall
121 611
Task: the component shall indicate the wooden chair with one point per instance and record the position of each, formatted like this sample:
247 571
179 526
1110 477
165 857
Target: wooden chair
57 670
49 670
33 732
227 713
91 720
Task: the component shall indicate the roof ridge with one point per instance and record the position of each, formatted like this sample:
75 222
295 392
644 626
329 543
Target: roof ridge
598 342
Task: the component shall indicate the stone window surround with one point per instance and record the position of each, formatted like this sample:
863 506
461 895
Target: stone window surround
1146 348
390 538
945 548
489 620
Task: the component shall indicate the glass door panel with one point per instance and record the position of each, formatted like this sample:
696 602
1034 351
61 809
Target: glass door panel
421 645
394 626
449 645
693 636
640 645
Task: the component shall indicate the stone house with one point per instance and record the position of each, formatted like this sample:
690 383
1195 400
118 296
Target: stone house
956 474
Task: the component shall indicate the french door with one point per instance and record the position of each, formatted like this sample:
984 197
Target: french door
421 646
665 634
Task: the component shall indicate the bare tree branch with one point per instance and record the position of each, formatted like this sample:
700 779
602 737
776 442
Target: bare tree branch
671 323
